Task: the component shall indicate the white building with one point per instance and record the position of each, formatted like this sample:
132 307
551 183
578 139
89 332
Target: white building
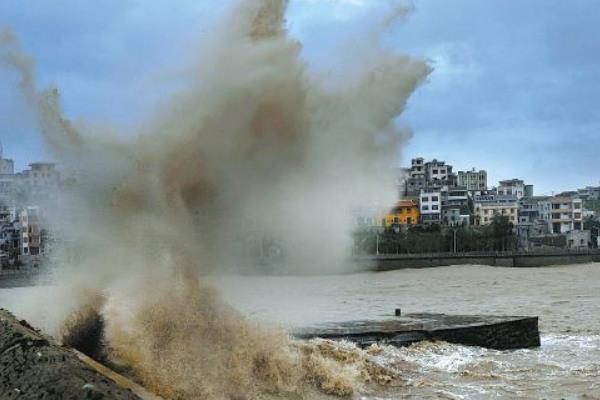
516 187
562 214
430 205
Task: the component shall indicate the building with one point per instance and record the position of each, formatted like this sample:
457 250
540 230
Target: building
7 179
562 214
489 206
40 181
473 181
438 173
32 240
515 187
455 206
430 205
404 213
589 193
9 236
422 175
578 240
413 179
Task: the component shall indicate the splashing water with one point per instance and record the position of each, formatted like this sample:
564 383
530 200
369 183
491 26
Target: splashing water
255 147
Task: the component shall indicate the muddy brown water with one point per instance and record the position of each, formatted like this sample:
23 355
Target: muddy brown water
566 298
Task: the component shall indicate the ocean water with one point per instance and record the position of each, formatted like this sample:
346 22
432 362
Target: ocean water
566 298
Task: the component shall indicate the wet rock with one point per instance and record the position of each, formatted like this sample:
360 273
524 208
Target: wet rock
32 366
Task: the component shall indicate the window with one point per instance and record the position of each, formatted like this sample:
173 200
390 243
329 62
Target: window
435 171
577 226
396 220
577 215
434 207
486 212
577 206
434 198
425 199
425 208
485 219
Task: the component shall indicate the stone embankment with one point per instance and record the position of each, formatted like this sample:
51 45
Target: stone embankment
33 366
387 262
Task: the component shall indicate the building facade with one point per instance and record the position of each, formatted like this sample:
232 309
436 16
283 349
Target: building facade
563 214
430 204
516 187
439 173
474 181
404 213
489 206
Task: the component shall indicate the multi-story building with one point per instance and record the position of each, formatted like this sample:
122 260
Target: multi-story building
417 167
589 193
430 203
413 179
7 179
516 187
32 246
455 206
562 214
489 206
529 209
405 212
475 181
422 175
439 173
40 180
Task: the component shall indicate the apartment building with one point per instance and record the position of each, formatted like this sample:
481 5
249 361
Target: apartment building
430 205
488 206
439 173
473 180
516 187
563 214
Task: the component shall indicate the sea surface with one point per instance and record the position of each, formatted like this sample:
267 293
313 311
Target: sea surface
566 298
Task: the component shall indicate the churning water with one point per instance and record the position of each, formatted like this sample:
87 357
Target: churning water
565 298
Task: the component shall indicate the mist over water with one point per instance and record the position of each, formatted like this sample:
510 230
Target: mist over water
255 148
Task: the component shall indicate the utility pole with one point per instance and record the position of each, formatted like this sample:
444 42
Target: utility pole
455 230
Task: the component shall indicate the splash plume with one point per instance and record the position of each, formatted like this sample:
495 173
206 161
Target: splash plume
256 147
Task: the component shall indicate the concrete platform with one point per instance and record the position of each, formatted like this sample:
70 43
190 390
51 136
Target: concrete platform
494 332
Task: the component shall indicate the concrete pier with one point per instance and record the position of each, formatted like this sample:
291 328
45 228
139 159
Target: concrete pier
494 332
32 366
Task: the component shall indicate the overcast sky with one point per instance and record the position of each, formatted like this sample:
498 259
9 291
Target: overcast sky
515 88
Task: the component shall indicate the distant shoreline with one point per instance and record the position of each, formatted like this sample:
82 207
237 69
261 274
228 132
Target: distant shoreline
530 259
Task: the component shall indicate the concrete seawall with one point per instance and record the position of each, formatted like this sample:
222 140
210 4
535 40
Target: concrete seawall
501 259
32 366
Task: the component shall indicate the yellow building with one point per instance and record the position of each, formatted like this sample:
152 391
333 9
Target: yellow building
406 212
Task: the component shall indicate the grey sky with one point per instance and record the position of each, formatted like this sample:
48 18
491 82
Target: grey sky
514 91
